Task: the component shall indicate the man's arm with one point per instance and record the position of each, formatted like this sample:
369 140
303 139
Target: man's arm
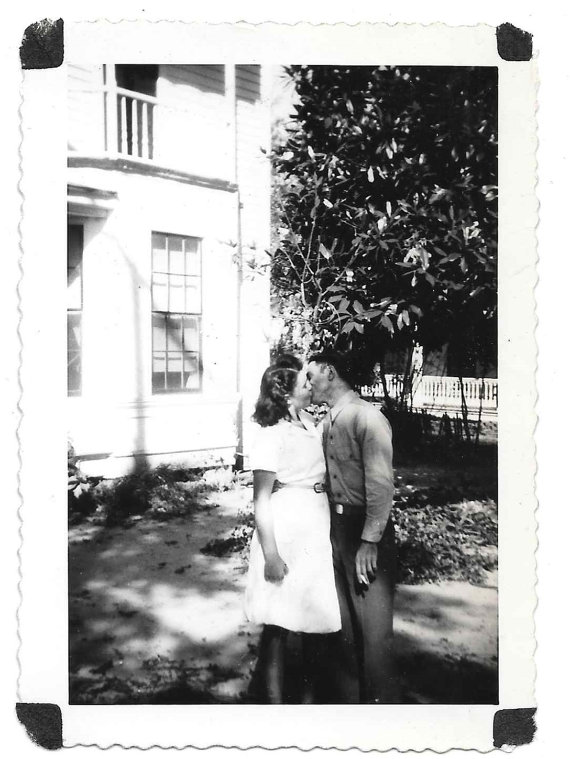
375 439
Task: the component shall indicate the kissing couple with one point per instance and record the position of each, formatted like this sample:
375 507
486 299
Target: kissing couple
322 558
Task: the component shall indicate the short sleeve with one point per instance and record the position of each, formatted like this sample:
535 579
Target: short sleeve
266 449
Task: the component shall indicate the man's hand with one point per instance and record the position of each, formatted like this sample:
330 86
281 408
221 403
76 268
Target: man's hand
275 569
366 562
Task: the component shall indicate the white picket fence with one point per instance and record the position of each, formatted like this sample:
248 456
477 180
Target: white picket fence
442 394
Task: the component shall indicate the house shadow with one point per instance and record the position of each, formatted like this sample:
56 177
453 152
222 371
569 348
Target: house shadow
153 619
446 643
430 678
156 619
443 658
446 654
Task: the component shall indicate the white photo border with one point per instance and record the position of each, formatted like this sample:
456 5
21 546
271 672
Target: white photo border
43 613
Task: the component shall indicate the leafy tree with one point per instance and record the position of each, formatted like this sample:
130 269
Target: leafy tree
386 195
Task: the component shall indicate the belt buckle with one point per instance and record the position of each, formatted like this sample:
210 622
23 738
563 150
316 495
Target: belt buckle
319 487
339 508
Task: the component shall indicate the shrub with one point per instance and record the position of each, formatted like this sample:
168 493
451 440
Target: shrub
439 536
80 496
238 540
163 493
439 541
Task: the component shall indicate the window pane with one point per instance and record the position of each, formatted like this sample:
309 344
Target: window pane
160 292
176 255
158 371
174 332
193 295
73 372
159 258
74 265
192 255
73 331
176 290
191 378
74 288
158 332
73 354
191 334
174 371
74 245
176 302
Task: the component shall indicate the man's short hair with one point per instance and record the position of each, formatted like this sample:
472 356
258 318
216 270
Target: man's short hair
340 361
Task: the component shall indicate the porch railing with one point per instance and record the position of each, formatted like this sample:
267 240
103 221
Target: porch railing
442 393
135 124
167 133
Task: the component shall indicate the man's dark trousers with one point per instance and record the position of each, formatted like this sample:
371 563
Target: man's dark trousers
362 667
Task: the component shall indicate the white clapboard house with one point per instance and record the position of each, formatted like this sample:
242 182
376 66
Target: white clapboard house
168 213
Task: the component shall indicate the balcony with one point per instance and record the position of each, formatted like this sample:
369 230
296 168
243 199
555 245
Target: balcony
185 129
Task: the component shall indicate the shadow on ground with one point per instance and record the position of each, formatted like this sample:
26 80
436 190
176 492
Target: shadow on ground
153 619
446 643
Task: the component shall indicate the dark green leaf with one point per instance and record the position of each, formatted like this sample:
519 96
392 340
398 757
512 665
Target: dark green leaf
324 251
358 307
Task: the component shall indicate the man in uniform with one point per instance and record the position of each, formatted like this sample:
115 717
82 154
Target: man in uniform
357 441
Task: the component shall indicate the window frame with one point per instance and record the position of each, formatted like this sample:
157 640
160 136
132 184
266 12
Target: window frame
76 311
198 315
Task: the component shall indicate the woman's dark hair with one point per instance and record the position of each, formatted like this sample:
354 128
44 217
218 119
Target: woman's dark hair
273 402
287 361
340 361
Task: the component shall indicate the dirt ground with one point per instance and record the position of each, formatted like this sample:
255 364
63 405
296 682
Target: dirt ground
154 619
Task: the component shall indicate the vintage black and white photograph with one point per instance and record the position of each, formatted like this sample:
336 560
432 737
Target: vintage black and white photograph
282 378
290 480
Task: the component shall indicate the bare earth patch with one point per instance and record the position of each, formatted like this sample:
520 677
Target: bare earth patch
154 619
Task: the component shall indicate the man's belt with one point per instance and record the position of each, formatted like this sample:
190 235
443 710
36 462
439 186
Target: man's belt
347 510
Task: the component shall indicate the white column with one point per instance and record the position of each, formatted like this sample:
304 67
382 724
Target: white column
124 147
231 119
145 136
135 127
111 125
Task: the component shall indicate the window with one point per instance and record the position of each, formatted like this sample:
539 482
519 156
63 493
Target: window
74 306
176 313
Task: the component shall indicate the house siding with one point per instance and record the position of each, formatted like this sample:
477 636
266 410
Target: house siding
117 419
117 412
253 176
85 122
253 144
191 128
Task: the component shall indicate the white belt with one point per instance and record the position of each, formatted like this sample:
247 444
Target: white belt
318 487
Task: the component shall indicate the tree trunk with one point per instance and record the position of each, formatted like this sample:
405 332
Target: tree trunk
389 402
480 413
406 380
464 410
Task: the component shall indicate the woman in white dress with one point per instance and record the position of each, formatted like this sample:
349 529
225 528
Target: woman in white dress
290 583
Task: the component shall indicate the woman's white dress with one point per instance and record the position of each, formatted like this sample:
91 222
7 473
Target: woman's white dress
306 599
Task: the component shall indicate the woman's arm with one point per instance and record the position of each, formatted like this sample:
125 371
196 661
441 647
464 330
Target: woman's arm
275 567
